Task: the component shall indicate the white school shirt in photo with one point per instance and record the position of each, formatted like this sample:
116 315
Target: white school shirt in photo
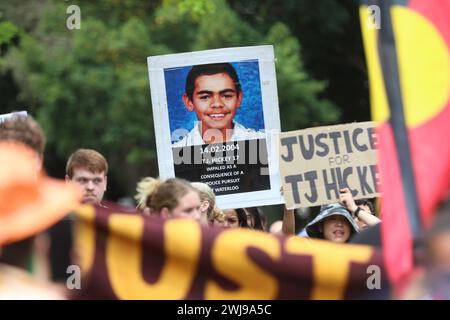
239 133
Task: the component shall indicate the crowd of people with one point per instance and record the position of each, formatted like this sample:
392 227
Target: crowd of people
172 198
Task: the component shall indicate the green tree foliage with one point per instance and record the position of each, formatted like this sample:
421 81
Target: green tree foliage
298 94
9 34
224 28
89 87
332 50
8 31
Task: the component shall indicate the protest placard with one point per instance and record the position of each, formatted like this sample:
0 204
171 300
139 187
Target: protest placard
6 116
213 111
316 163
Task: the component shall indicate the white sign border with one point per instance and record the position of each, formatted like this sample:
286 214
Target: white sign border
12 115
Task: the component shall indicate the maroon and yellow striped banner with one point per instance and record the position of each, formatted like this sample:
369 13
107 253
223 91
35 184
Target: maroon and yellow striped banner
130 256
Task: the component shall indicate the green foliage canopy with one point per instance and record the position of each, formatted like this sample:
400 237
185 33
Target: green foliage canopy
89 87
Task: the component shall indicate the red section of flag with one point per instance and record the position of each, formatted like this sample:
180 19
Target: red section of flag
430 148
437 12
430 154
430 151
396 234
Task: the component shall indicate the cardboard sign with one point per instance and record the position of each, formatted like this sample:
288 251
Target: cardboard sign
316 163
12 115
214 112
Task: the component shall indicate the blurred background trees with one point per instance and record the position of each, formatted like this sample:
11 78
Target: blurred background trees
89 87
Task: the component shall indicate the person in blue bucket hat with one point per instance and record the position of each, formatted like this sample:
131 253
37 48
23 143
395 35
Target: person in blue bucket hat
334 223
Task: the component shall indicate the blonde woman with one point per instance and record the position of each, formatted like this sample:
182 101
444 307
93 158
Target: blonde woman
172 198
207 201
218 219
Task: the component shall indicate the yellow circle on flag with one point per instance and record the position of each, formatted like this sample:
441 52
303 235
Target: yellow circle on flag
424 66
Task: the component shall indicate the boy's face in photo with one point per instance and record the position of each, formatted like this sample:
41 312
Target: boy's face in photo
215 101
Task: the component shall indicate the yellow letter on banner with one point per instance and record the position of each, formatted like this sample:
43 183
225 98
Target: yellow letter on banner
331 264
230 259
182 241
85 237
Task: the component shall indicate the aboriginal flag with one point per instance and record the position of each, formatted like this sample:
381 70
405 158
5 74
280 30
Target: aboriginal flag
407 46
